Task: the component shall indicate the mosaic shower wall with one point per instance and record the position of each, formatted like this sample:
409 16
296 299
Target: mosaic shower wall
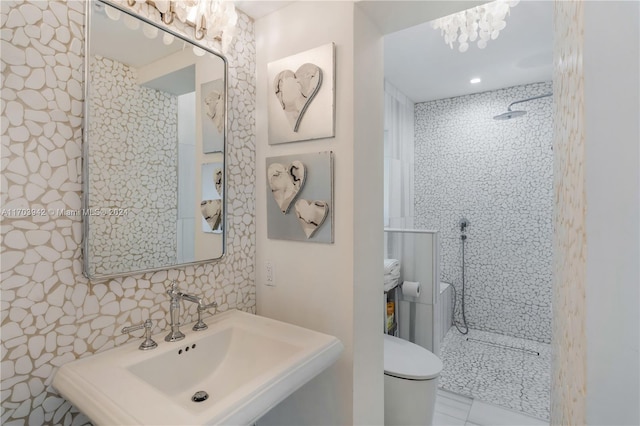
50 313
136 126
499 176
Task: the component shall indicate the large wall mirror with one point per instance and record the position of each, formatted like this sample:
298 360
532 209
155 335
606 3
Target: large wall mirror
154 165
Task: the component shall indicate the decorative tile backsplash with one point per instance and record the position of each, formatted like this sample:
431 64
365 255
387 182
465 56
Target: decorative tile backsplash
50 313
125 129
498 175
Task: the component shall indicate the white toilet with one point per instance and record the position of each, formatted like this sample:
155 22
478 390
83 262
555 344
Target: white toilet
410 383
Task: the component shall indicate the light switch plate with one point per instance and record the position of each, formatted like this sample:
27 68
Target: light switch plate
270 274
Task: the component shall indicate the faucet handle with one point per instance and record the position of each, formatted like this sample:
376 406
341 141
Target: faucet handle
202 307
148 341
173 289
200 325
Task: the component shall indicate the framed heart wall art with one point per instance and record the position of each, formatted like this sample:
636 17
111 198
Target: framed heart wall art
301 98
211 204
300 197
212 115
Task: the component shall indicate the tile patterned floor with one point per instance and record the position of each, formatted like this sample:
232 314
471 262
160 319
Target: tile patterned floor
476 366
457 410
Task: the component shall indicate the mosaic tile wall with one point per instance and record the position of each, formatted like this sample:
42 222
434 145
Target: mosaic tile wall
137 112
498 175
50 313
569 346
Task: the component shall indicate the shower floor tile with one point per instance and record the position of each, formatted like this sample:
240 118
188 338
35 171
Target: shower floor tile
480 366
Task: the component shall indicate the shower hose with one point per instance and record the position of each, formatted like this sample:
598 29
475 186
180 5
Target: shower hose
463 238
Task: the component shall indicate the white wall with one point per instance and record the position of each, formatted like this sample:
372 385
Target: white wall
595 296
331 288
367 219
612 189
186 177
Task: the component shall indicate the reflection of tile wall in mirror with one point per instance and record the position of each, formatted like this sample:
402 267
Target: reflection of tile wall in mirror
124 168
146 133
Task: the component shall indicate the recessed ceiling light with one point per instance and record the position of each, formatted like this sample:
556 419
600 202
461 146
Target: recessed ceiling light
475 80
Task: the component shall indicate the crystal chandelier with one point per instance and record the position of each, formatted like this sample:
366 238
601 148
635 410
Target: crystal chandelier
480 23
211 19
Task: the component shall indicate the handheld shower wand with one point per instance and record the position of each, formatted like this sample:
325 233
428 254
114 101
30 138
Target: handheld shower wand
463 237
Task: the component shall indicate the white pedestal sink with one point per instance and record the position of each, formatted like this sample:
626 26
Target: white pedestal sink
246 364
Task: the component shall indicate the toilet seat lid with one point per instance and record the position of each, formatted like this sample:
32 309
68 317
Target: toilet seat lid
407 360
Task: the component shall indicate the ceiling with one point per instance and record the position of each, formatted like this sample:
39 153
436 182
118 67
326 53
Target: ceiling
423 67
417 61
113 39
258 8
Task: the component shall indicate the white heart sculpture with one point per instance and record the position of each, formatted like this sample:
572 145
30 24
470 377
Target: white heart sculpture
214 108
311 215
217 180
286 182
295 91
212 212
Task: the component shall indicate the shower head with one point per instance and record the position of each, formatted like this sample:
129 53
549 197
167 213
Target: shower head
518 113
509 115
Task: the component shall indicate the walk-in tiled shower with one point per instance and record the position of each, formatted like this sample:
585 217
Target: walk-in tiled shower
497 174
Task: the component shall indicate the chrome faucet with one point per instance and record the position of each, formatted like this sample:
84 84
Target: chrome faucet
174 311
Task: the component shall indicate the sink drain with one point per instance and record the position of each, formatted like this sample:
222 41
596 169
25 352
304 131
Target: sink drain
200 396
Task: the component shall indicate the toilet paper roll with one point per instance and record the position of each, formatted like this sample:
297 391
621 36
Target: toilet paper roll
411 288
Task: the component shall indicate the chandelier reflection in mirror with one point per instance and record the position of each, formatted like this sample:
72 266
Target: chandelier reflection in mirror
211 19
480 23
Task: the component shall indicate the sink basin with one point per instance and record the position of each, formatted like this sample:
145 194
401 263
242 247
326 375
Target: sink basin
244 364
